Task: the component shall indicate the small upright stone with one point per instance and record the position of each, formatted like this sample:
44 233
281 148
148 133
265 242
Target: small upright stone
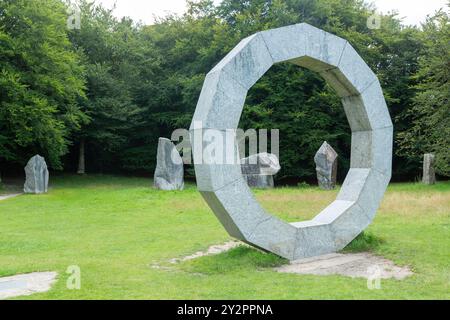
259 169
36 176
169 168
429 176
326 166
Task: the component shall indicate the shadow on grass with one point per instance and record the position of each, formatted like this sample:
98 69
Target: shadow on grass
237 259
365 241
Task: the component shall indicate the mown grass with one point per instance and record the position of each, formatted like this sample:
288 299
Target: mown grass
364 242
117 229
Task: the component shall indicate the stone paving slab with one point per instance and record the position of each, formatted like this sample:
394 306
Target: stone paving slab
26 284
355 265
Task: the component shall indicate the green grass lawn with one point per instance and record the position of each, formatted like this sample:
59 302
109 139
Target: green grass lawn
115 229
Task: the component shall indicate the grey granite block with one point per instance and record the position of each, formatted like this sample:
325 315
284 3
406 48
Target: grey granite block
347 220
247 62
323 50
313 238
261 163
237 209
259 169
36 176
276 236
373 149
366 187
353 184
212 170
352 76
326 166
220 102
259 181
286 43
367 111
169 172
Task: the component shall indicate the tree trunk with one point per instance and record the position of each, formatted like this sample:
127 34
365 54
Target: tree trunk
81 158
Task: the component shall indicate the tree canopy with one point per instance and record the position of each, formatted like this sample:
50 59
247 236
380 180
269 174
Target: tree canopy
41 80
114 86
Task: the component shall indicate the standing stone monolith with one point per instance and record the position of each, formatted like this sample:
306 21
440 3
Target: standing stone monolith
169 168
36 176
259 169
326 166
429 176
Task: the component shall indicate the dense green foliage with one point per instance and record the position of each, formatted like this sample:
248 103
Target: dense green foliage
41 79
118 85
113 57
429 117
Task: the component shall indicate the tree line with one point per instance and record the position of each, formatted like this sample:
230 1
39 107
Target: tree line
105 92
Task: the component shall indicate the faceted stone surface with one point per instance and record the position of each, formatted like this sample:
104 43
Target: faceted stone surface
259 181
429 176
247 62
214 170
286 43
219 94
373 149
326 166
36 173
169 167
323 50
313 238
220 106
276 236
368 110
259 169
236 208
345 219
352 76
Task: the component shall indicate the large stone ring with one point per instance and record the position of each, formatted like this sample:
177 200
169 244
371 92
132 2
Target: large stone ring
220 106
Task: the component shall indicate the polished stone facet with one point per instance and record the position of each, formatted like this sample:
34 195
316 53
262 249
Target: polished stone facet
220 106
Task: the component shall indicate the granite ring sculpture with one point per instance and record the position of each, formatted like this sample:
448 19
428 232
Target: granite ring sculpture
220 106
